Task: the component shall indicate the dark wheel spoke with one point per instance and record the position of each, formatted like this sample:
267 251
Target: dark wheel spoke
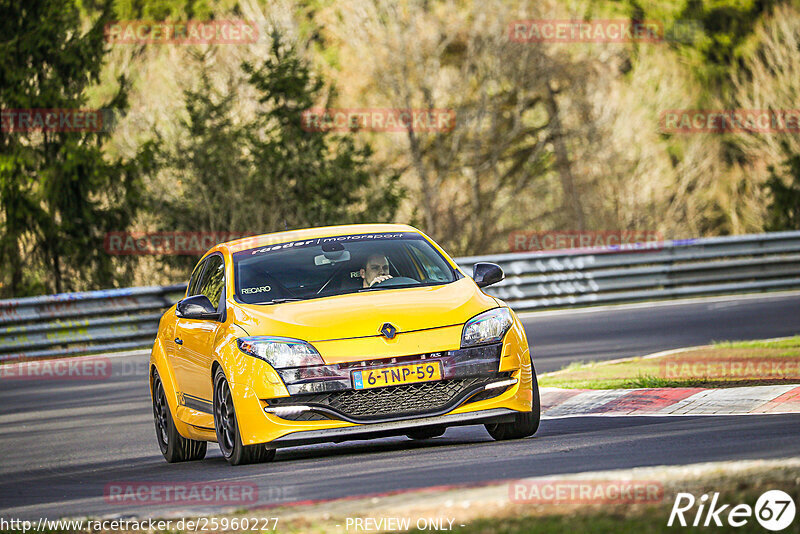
224 417
160 411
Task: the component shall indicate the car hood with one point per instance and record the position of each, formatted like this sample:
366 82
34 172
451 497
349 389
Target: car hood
361 315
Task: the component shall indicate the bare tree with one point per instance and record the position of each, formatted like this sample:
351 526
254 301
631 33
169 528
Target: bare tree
506 163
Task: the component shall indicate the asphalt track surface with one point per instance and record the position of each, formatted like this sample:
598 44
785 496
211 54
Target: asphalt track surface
63 442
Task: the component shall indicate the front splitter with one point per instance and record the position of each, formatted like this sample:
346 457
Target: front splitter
394 428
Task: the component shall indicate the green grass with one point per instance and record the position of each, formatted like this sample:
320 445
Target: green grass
642 372
789 343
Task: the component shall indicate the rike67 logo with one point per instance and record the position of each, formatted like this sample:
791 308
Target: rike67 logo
774 510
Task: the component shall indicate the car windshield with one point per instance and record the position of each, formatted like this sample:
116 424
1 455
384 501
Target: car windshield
321 267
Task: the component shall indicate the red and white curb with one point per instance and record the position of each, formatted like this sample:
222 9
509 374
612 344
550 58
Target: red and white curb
558 403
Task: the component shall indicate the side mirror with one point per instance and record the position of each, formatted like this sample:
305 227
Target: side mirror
196 307
486 274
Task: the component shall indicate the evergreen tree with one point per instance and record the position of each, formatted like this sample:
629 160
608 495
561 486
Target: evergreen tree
320 178
58 194
266 173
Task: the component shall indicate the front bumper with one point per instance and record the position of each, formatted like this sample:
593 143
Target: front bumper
467 374
508 362
391 403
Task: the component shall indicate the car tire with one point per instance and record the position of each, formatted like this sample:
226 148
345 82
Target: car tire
525 423
426 433
227 428
174 447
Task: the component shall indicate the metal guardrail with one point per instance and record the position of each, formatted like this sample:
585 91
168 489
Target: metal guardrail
691 267
120 319
83 323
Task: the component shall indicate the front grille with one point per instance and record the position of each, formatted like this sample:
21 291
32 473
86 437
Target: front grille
408 398
391 401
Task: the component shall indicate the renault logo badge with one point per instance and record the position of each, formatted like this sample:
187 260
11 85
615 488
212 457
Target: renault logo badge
388 330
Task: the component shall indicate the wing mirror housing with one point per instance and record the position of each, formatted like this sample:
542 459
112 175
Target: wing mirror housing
196 307
486 274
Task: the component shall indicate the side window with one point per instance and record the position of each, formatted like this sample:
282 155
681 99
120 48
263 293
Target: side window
194 279
213 280
432 270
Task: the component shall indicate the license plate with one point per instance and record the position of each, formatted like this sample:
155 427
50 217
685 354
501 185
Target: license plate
399 374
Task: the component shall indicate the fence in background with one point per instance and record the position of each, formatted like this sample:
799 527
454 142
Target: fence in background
685 268
83 323
119 319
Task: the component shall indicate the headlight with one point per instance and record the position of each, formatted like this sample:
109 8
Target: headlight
280 352
488 327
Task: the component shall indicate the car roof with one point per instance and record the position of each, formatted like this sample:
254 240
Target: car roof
308 233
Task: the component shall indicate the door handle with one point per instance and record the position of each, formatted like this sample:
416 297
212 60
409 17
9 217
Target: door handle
179 341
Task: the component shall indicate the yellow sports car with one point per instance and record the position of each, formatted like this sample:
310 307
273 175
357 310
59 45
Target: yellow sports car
331 334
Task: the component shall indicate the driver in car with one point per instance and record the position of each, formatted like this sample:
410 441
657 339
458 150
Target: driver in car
375 270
